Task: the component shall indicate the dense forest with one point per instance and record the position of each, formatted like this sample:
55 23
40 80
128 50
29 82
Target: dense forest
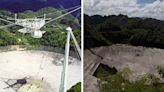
55 31
107 30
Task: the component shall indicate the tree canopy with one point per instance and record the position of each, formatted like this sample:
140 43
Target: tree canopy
114 29
55 31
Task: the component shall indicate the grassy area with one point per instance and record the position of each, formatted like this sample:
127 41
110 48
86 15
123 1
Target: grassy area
75 88
116 83
113 81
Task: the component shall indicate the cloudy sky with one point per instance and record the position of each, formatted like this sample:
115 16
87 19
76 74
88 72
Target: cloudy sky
132 8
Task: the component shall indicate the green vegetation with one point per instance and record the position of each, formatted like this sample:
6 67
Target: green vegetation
161 70
76 88
55 31
107 30
113 81
104 70
117 83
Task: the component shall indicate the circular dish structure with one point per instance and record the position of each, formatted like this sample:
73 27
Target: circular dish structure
34 65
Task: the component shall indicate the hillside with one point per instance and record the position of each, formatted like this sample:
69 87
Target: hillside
55 31
108 30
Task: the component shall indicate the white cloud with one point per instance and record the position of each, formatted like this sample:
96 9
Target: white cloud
127 7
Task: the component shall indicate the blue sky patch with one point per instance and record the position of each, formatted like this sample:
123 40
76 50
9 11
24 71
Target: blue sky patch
145 1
